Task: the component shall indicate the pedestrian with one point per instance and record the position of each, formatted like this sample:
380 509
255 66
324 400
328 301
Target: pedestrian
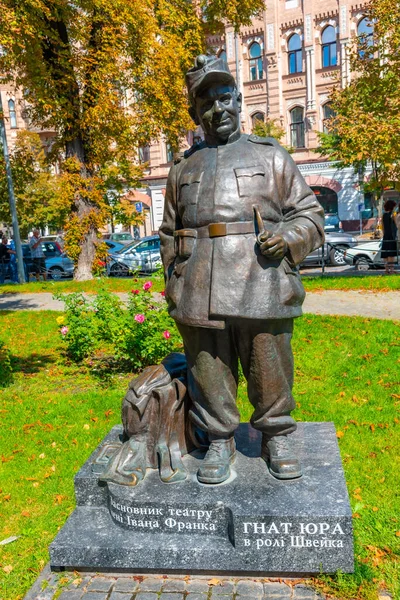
39 264
4 258
389 242
13 261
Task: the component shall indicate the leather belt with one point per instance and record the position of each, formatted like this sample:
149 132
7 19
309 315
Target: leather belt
223 229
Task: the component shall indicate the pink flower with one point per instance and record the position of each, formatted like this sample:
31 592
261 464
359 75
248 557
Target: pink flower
163 293
135 292
147 285
166 334
64 330
139 318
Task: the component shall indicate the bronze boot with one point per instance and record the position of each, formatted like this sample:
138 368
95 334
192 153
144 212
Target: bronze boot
279 452
215 467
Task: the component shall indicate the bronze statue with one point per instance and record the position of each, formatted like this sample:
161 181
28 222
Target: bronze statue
238 219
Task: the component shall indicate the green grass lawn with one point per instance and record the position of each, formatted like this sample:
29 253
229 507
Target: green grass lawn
373 282
55 413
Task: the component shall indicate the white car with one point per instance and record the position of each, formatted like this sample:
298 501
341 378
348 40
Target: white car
364 256
142 255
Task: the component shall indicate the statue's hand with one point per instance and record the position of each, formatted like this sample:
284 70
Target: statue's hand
274 246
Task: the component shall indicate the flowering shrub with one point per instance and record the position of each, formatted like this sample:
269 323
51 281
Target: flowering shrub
6 375
131 336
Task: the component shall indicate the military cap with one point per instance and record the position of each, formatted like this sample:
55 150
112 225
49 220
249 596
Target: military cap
207 69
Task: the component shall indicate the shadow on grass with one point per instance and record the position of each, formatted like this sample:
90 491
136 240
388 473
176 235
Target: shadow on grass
31 364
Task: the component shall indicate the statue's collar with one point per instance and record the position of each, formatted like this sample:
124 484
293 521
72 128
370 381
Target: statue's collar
234 137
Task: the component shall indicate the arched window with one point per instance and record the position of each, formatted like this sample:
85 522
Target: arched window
329 49
365 31
295 54
297 127
256 65
222 55
328 113
257 118
13 114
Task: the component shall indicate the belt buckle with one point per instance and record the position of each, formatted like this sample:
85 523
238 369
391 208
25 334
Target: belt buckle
217 230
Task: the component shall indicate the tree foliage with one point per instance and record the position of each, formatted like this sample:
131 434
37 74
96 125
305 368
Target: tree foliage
108 77
367 122
35 185
270 128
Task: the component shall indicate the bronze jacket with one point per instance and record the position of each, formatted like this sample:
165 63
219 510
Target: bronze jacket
211 278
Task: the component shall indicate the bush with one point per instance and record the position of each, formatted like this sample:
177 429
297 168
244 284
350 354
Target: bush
128 337
6 374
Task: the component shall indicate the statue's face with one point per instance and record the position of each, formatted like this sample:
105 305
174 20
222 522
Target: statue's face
217 110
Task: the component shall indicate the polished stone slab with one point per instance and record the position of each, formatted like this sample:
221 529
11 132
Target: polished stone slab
252 523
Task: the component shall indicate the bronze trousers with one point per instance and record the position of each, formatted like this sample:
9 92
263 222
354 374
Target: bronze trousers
265 353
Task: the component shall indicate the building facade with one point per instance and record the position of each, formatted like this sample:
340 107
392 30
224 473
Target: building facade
285 64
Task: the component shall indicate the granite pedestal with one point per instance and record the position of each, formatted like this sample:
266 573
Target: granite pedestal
251 524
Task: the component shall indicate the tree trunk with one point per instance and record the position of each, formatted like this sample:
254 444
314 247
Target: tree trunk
83 268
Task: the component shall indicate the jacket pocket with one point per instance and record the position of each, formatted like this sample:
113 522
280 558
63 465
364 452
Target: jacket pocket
292 290
250 181
189 184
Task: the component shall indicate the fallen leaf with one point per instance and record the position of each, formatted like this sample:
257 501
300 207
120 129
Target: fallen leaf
8 568
42 455
372 427
26 513
214 581
35 484
397 534
86 426
339 434
375 508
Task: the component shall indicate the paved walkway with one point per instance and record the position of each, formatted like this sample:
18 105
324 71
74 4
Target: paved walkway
379 305
90 586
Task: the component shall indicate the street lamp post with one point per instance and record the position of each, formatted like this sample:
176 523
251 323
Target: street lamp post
11 197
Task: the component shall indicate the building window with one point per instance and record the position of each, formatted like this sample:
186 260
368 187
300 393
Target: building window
297 127
295 54
256 65
365 31
257 118
169 152
329 49
144 154
328 113
13 114
222 55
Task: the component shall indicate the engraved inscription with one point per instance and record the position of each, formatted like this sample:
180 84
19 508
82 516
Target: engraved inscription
170 519
276 533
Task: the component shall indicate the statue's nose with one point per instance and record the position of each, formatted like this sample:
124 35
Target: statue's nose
218 107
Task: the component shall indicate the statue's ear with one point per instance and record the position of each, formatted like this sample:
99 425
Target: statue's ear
193 115
239 101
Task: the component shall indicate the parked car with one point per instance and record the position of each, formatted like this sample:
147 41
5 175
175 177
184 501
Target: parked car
123 237
113 246
142 255
332 222
58 265
336 242
366 255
